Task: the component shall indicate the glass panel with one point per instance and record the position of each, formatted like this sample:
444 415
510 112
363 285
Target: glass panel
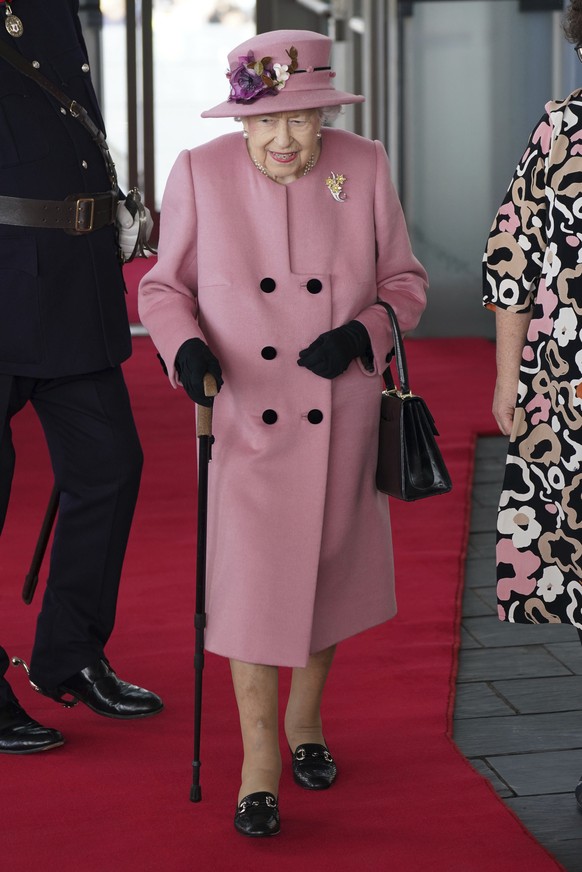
114 84
476 77
191 41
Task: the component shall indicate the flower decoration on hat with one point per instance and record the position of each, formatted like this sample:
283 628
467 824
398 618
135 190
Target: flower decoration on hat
252 78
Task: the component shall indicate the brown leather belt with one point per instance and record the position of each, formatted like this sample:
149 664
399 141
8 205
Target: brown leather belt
77 214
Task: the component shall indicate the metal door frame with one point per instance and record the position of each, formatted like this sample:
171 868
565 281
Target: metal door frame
140 97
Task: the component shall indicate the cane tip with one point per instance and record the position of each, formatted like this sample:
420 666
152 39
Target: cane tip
195 793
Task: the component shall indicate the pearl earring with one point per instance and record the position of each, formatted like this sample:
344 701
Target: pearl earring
245 135
318 134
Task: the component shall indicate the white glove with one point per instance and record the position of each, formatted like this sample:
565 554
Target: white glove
128 228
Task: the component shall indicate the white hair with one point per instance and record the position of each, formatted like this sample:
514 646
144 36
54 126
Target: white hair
328 114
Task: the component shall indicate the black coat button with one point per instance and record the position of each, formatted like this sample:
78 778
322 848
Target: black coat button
315 416
268 285
269 416
268 352
314 286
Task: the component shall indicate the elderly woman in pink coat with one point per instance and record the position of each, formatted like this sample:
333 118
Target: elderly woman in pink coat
276 244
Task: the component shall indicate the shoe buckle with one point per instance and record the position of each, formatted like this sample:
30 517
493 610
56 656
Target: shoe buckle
67 703
270 801
300 754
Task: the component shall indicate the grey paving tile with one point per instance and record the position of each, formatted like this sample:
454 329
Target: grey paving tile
491 664
549 818
482 544
483 769
488 594
467 641
538 695
539 774
483 520
491 446
569 853
479 570
488 470
493 633
488 493
489 737
479 700
568 653
474 605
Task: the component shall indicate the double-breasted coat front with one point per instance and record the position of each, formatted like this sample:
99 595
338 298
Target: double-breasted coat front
299 547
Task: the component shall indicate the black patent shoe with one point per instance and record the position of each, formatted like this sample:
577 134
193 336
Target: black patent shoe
258 815
578 794
313 767
99 688
20 734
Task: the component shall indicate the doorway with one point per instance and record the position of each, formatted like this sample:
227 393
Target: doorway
475 77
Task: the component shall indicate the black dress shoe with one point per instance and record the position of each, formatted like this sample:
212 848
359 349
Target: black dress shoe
258 815
19 734
99 688
578 795
313 767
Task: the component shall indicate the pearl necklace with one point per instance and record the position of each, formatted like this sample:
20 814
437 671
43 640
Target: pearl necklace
308 167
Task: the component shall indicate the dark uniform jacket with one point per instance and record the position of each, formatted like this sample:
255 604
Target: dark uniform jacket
62 304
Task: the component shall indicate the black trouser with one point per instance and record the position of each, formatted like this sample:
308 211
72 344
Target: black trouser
97 459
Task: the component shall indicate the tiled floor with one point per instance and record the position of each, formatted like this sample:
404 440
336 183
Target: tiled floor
518 714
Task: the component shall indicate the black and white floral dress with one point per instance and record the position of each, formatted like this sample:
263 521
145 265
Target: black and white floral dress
534 259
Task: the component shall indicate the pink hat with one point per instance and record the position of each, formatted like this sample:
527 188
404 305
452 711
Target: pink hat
280 71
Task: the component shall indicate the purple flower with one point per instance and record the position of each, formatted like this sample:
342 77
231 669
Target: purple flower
246 84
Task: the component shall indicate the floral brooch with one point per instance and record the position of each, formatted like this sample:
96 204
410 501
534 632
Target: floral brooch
252 79
335 183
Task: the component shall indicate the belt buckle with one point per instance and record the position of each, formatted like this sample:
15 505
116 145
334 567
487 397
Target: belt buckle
81 224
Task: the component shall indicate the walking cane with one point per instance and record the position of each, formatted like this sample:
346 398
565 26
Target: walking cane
31 579
205 440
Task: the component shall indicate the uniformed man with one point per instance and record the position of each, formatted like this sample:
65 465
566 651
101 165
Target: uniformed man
63 335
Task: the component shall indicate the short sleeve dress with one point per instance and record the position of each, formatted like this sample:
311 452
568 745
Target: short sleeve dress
533 261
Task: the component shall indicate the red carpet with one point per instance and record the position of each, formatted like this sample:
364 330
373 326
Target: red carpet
116 797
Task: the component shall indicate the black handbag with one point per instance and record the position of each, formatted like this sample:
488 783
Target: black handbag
410 464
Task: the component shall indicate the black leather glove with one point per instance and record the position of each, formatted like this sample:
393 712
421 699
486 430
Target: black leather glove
332 352
193 360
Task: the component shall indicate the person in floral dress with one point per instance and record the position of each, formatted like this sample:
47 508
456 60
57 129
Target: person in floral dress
532 280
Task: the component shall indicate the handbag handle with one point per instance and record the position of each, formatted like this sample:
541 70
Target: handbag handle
399 355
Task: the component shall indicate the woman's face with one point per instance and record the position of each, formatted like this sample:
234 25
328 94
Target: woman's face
283 142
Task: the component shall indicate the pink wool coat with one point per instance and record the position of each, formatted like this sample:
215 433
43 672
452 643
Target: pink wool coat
299 545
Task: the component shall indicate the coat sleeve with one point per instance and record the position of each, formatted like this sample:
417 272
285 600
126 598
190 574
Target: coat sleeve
401 279
167 298
516 246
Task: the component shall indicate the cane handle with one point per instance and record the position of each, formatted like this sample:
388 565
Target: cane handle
204 422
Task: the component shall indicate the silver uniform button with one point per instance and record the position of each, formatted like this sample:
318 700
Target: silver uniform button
36 65
84 164
63 110
85 68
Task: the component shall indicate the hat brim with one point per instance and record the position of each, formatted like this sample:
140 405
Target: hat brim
283 101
